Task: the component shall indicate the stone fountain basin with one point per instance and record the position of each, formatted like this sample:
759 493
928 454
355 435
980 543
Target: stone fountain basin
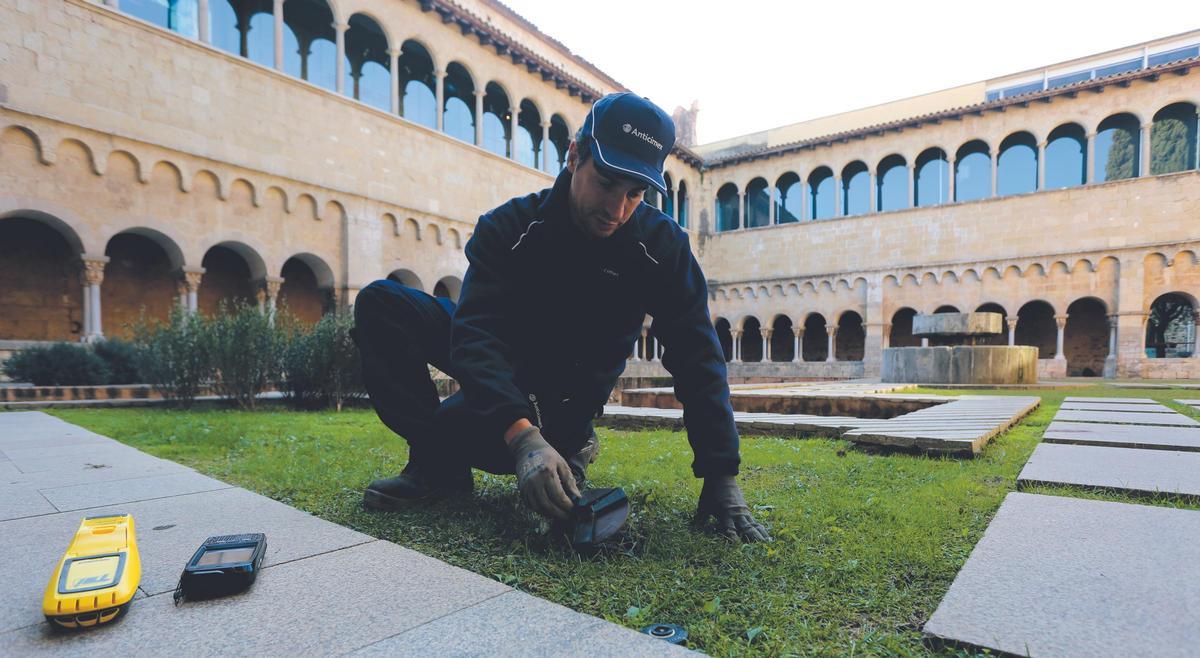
964 364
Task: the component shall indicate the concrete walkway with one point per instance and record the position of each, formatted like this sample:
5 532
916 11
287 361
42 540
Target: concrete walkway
325 589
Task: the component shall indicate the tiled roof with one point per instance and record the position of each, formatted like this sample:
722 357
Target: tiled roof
1181 67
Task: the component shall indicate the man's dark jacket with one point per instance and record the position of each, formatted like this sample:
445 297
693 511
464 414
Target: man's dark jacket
547 318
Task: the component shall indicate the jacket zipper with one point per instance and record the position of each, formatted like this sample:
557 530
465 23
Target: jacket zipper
537 410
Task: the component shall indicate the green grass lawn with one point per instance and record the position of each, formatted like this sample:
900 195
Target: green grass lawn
866 543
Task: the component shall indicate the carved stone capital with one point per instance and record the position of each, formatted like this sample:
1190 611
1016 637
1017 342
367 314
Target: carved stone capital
92 271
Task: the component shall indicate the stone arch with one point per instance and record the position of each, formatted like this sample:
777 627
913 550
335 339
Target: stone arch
1171 326
751 338
449 287
306 206
33 140
407 278
42 295
306 291
815 344
1085 338
274 194
782 338
995 339
126 160
89 154
171 174
412 227
242 190
900 334
435 231
334 210
208 177
851 337
455 238
232 269
140 279
1036 326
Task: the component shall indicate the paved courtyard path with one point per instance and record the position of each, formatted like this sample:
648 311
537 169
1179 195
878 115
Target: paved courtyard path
1061 576
325 589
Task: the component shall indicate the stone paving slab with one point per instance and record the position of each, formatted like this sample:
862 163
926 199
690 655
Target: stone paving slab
485 630
322 605
1074 398
1055 576
1195 404
1125 408
112 492
1127 418
1124 436
325 588
168 532
1118 469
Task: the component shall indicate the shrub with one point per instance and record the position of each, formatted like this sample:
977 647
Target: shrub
60 364
121 357
247 353
175 357
322 366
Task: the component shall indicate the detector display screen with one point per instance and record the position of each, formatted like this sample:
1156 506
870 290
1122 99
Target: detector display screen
91 573
226 556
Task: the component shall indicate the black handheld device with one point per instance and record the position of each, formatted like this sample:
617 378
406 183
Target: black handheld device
222 565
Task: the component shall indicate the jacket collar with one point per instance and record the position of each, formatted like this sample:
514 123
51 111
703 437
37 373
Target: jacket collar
555 210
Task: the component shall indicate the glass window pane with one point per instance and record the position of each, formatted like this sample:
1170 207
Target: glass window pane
974 177
1017 170
1120 67
420 104
1064 162
858 193
893 188
458 122
933 183
1072 78
1153 60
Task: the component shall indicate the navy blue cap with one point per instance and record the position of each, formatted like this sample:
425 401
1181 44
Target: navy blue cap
631 137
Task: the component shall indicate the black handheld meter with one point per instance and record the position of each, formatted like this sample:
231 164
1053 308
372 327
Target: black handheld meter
222 565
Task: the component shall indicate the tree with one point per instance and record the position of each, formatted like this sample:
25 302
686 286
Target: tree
1172 146
1122 155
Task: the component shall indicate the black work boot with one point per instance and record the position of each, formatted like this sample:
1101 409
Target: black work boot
416 483
580 460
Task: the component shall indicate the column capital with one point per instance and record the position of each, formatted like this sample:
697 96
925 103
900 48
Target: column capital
1061 320
340 27
190 277
766 333
393 52
441 73
479 93
1011 322
279 3
545 125
92 272
798 332
1114 319
271 285
831 329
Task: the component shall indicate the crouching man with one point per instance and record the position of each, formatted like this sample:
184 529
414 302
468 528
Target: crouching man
558 285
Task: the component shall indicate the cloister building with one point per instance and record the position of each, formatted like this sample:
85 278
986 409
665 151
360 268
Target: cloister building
288 152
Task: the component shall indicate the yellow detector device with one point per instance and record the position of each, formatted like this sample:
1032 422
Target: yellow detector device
97 577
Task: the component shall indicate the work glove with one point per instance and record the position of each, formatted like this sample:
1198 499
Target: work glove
721 498
543 476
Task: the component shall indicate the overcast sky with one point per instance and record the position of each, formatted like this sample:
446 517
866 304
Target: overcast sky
755 64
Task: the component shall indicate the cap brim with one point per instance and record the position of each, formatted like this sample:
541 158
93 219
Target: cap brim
617 163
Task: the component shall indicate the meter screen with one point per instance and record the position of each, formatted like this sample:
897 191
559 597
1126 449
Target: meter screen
226 556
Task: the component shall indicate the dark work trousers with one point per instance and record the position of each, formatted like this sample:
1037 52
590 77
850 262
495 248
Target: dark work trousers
398 331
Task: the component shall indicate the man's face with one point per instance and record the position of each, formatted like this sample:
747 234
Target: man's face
600 203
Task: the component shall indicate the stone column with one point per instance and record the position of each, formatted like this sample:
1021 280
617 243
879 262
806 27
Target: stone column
924 341
1089 165
995 169
479 117
950 183
744 219
872 193
771 213
394 69
912 184
513 113
341 56
652 347
440 94
544 152
737 345
1012 330
91 276
278 15
887 334
797 339
1144 159
837 196
202 10
643 351
271 287
766 344
1061 321
1196 335
1041 165
830 334
190 279
1110 361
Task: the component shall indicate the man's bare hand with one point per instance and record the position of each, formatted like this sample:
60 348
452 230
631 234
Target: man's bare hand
721 499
